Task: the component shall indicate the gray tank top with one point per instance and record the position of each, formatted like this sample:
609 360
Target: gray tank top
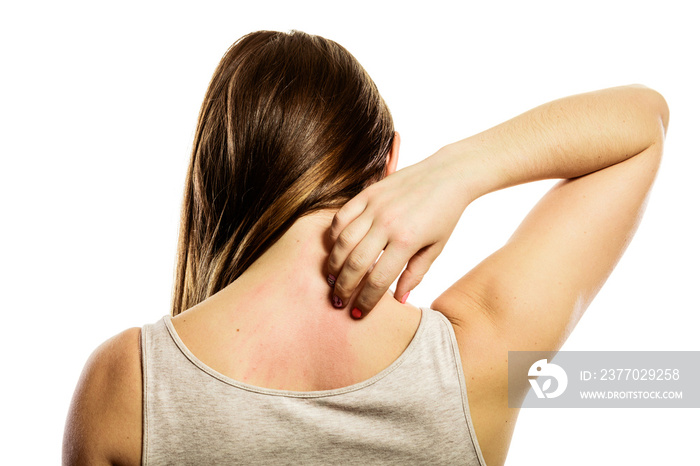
413 412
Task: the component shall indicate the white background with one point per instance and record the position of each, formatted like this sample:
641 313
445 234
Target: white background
98 108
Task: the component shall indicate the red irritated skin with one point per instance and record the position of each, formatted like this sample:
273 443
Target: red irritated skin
279 343
275 326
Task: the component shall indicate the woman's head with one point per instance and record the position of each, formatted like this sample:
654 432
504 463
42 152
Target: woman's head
290 124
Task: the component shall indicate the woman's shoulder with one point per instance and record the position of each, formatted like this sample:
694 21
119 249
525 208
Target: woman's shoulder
116 363
104 420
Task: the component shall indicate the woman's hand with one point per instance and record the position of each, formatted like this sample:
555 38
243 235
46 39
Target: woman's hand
409 215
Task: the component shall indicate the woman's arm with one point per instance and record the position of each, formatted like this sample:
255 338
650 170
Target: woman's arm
531 293
412 213
608 146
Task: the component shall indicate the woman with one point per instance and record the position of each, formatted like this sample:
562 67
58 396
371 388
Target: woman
285 345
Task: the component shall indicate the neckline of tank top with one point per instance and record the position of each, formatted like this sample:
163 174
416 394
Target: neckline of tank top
167 319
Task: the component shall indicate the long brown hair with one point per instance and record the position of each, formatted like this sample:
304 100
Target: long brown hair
290 124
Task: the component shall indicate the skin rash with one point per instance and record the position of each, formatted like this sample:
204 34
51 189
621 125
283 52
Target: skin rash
315 349
279 332
275 326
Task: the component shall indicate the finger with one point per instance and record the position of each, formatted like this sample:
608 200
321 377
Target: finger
347 214
378 281
416 269
346 242
358 263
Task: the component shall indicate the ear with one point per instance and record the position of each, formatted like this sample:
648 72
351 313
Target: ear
392 158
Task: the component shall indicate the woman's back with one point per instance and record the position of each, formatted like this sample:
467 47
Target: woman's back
415 411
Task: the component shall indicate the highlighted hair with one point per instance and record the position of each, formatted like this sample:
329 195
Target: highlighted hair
290 124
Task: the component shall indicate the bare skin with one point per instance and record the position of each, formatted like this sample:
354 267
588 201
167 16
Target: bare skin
279 307
527 295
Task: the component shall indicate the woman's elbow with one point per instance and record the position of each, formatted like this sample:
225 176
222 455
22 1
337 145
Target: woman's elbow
658 103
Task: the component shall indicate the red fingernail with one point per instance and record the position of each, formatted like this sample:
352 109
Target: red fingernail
331 279
405 297
337 302
356 313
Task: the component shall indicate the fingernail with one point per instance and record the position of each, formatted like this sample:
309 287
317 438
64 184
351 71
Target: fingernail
331 279
405 297
337 302
356 313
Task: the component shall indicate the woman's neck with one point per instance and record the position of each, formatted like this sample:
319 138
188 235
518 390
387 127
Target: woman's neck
290 274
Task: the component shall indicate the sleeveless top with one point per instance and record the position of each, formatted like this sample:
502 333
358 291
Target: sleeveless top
413 412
